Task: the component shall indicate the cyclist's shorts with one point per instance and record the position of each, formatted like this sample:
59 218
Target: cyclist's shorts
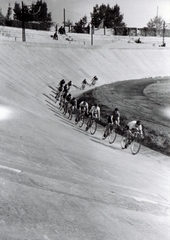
83 109
109 119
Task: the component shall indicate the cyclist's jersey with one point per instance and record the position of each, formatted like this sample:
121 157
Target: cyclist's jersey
60 88
83 106
68 98
84 82
64 95
110 119
95 111
132 125
73 102
95 78
116 115
66 88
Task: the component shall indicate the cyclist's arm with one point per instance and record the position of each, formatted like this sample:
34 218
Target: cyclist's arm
99 113
141 131
87 107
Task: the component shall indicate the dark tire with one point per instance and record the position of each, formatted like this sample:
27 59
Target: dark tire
112 136
93 127
70 114
64 112
123 141
81 121
65 109
136 145
60 108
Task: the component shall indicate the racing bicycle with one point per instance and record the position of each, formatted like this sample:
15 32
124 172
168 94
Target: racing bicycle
80 119
110 131
133 139
70 112
92 125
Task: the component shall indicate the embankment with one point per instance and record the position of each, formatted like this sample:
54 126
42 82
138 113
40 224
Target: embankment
144 99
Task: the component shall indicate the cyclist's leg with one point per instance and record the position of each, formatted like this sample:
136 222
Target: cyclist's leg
77 118
88 122
129 138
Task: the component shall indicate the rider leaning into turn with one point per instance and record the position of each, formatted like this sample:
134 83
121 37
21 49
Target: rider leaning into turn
94 113
73 103
83 108
133 126
94 80
67 86
114 118
60 88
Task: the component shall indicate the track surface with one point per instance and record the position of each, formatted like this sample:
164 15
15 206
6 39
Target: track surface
56 180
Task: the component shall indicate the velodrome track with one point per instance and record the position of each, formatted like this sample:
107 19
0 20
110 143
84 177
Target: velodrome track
57 181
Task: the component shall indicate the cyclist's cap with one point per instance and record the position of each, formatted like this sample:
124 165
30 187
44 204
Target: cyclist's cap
138 122
70 83
116 109
95 104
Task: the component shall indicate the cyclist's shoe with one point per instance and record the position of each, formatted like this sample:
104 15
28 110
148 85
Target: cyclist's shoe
104 136
86 129
125 146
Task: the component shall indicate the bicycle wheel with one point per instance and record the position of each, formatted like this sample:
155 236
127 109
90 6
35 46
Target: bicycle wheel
70 114
93 127
112 135
60 106
81 121
123 141
136 145
65 110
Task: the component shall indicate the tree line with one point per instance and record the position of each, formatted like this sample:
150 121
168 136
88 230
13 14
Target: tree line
36 16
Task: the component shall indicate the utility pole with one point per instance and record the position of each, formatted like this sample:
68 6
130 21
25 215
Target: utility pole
64 14
23 24
91 34
163 41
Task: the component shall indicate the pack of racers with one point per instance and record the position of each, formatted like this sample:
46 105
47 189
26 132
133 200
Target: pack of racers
94 112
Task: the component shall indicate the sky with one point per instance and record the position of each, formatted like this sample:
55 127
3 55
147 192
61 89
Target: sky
137 13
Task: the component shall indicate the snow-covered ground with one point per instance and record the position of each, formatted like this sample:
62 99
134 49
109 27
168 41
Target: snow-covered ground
56 180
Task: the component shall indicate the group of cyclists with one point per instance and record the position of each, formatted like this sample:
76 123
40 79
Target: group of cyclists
67 102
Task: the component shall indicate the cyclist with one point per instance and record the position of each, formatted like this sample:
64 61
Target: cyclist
114 118
67 86
94 80
73 103
67 101
133 126
60 88
83 109
84 82
94 113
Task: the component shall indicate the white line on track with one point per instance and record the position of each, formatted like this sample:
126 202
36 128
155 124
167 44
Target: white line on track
10 169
